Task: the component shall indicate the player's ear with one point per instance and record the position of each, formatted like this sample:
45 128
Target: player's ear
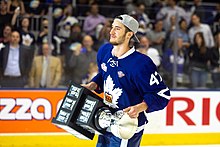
129 35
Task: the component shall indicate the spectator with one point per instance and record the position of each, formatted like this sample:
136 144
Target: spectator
5 17
35 7
200 27
92 72
200 57
15 63
27 37
43 38
157 36
147 3
93 20
58 14
170 31
149 51
76 33
215 61
168 60
103 36
69 15
35 10
67 48
143 29
68 20
81 58
14 19
6 34
198 9
183 38
182 33
217 16
87 49
141 15
82 8
46 70
7 29
71 49
155 8
15 4
172 24
64 30
216 22
168 11
129 6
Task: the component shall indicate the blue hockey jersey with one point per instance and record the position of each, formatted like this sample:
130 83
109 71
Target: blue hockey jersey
130 80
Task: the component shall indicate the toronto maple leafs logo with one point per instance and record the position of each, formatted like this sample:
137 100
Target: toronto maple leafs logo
111 94
1 46
27 40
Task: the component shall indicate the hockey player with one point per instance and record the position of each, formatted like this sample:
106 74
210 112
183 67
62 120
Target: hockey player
129 80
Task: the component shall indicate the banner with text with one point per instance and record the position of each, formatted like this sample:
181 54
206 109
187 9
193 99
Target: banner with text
31 111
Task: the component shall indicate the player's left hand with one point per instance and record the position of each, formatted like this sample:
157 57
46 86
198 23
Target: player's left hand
132 111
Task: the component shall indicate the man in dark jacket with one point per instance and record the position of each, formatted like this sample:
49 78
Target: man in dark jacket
15 63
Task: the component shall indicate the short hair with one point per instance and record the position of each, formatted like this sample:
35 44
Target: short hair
8 25
93 4
196 14
16 30
181 20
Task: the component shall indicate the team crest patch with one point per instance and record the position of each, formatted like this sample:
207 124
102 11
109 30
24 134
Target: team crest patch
120 74
104 67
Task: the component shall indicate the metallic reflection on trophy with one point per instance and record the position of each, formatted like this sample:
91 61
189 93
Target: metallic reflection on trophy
120 124
83 113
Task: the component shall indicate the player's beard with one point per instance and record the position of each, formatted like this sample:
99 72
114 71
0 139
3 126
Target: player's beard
118 41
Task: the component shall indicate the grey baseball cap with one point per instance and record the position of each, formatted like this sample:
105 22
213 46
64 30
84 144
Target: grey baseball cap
130 23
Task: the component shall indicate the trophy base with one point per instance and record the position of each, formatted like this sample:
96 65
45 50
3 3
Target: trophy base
77 112
72 129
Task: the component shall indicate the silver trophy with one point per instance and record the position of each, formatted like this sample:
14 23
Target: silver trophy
119 123
83 113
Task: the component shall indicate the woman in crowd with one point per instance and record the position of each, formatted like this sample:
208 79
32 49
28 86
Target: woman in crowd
15 4
199 56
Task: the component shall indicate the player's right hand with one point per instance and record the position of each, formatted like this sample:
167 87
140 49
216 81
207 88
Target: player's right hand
90 86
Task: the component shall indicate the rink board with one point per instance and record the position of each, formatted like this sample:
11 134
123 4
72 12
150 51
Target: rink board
192 117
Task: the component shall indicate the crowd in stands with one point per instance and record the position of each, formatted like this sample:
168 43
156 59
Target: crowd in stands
171 31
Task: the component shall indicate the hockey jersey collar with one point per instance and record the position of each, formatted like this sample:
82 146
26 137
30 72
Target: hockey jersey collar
129 52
